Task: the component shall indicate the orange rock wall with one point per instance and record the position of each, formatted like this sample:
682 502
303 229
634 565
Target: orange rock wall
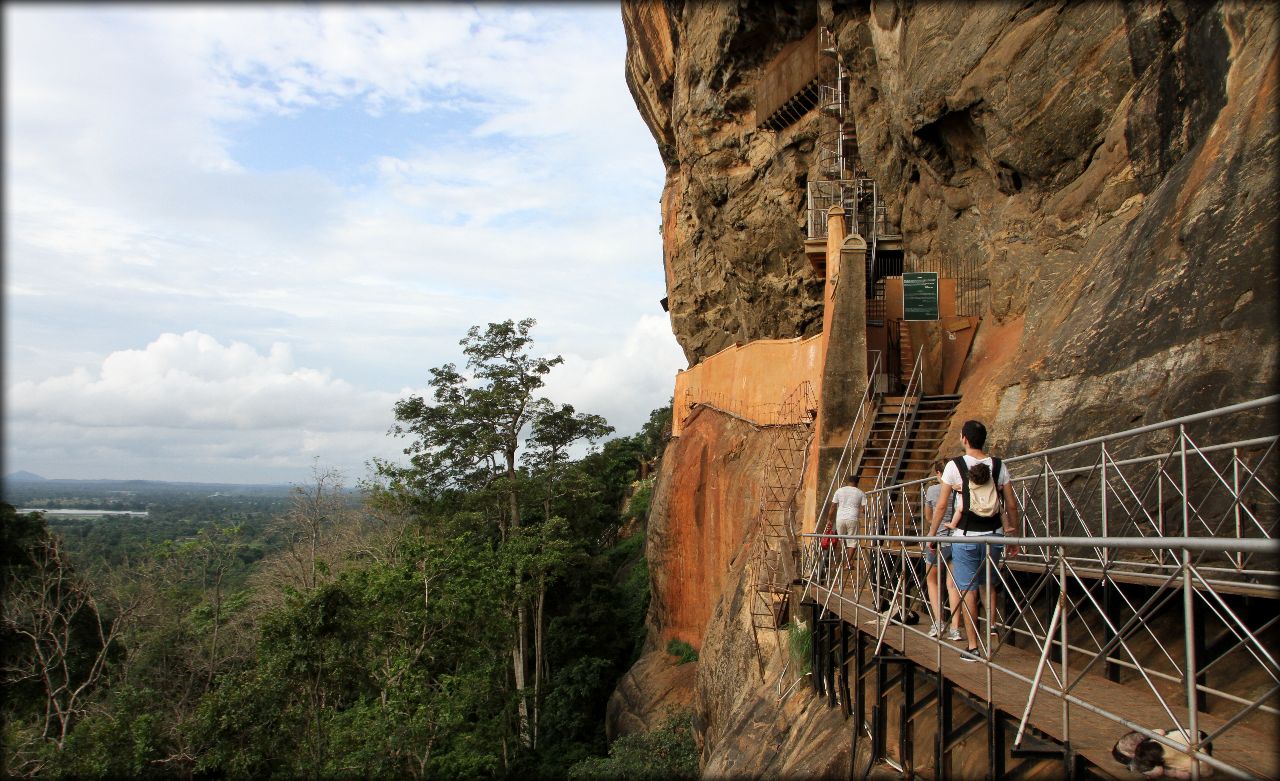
708 499
750 380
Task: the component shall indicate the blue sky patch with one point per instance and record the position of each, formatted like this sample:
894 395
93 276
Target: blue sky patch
342 141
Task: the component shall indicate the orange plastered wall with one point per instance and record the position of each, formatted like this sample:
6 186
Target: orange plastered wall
749 380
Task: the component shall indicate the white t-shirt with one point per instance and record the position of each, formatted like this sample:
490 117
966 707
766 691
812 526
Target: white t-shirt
849 503
951 474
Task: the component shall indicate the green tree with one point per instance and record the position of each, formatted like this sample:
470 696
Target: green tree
553 432
539 556
393 669
470 438
63 635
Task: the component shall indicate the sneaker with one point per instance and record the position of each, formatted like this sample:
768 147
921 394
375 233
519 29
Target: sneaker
972 655
953 634
936 629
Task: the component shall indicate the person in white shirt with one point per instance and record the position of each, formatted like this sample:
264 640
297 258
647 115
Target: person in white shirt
847 508
969 559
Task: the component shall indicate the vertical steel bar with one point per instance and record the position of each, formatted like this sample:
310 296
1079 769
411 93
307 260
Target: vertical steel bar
1066 652
846 705
1045 468
1112 670
829 663
1106 552
1202 699
905 749
988 623
1160 508
859 692
879 722
940 769
1235 495
1188 611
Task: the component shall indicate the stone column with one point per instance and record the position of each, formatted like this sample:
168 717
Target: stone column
844 367
815 489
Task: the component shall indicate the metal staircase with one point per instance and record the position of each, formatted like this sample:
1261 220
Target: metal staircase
841 181
887 460
932 419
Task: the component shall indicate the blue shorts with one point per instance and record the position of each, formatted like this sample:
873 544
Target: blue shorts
966 563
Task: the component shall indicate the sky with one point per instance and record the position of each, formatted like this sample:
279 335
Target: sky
235 235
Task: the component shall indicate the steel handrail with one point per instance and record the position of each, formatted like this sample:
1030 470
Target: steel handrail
1193 418
899 433
1187 493
860 420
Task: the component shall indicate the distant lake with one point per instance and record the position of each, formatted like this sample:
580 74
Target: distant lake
134 513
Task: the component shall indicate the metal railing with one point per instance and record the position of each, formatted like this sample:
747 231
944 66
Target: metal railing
895 448
858 433
973 285
783 413
1129 540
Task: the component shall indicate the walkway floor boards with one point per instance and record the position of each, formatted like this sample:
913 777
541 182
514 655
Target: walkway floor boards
1092 735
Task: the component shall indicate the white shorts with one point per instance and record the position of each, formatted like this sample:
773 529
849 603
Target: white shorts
849 526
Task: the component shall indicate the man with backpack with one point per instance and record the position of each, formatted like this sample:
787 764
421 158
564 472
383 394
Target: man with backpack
980 515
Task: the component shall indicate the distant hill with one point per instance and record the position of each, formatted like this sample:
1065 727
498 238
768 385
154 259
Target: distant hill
24 477
20 485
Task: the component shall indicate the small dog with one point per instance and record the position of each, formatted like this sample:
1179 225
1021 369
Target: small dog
1153 759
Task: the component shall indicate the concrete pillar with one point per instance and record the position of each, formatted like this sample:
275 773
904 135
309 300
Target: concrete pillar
815 489
844 367
835 239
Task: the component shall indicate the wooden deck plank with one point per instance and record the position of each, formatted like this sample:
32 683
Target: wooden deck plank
1092 735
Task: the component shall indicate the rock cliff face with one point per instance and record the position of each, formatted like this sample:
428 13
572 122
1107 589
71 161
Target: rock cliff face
732 222
1109 169
700 536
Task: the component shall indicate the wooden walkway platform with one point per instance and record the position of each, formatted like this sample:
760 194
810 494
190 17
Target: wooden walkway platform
1091 735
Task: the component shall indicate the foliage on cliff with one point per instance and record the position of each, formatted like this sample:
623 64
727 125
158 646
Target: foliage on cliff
469 617
667 753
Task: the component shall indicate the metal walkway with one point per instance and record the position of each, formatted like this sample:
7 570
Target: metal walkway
1144 599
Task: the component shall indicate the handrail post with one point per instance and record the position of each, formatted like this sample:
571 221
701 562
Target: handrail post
1046 511
1235 497
1112 671
1160 508
1063 637
1106 554
1189 614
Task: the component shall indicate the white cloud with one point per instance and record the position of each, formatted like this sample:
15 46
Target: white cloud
623 385
192 381
531 190
194 404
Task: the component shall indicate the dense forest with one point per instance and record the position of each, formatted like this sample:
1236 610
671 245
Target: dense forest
463 614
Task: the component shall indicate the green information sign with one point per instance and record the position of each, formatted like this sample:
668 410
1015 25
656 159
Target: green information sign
920 295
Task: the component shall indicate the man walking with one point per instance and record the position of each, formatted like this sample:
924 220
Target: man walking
847 507
969 560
